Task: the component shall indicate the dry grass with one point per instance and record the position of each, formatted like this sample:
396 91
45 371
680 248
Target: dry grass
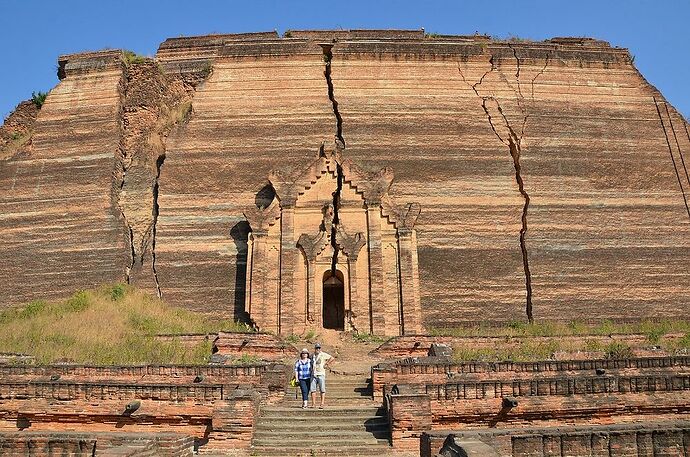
517 346
654 329
113 325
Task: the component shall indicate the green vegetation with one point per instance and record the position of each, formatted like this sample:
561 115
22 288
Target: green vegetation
516 342
111 325
311 335
292 339
38 98
654 329
287 34
367 338
522 351
132 58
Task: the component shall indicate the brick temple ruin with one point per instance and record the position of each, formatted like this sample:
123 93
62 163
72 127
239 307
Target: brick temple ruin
552 178
384 182
333 207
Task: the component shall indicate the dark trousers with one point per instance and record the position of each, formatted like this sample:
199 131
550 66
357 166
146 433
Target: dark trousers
304 387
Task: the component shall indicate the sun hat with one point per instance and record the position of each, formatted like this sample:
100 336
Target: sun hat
304 351
317 346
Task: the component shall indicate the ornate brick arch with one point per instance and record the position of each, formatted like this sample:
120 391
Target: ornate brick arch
331 214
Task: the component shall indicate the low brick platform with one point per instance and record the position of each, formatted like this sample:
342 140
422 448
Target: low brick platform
658 439
101 444
215 405
434 370
585 400
262 345
419 345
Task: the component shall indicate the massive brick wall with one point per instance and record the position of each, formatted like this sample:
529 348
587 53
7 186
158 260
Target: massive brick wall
553 161
669 439
59 229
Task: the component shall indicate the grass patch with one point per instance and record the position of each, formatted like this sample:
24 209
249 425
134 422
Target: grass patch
292 339
524 351
367 338
112 325
38 98
132 58
311 335
654 329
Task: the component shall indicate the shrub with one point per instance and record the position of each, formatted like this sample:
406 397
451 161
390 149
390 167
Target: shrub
117 292
367 338
292 339
38 98
132 58
311 335
246 359
618 350
78 302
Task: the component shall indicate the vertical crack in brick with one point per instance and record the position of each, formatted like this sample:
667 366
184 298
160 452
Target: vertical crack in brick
153 103
336 221
122 165
340 145
328 58
675 137
513 141
540 72
156 211
673 160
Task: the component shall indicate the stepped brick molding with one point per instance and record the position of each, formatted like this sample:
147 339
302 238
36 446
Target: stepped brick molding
430 370
668 439
419 345
524 158
216 405
536 402
263 345
89 444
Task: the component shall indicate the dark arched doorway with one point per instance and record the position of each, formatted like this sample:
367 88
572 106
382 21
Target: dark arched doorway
333 300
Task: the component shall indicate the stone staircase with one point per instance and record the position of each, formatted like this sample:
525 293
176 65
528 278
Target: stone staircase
351 424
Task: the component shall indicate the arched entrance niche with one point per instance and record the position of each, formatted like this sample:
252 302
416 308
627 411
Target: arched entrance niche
333 300
333 249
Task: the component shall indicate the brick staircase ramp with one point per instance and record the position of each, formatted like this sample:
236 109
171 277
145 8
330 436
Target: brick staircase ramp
351 424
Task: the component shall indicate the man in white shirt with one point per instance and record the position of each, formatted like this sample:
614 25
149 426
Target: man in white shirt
321 361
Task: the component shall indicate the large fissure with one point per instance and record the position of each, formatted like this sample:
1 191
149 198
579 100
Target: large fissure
340 145
513 141
336 218
154 226
673 160
328 59
153 104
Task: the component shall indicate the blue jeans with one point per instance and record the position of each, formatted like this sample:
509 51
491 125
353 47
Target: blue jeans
304 387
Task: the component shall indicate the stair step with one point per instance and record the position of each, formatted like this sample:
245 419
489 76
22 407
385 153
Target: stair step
310 419
317 441
371 410
370 450
287 435
270 428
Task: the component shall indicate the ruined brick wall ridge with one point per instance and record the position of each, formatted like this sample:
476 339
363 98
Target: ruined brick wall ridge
554 181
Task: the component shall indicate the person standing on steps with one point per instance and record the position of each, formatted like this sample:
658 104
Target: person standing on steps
321 361
303 374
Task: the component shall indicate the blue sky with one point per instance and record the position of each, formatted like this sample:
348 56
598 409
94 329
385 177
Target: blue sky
35 32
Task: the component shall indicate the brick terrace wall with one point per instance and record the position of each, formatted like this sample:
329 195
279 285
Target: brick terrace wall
658 439
264 345
431 370
104 444
218 415
418 345
581 399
